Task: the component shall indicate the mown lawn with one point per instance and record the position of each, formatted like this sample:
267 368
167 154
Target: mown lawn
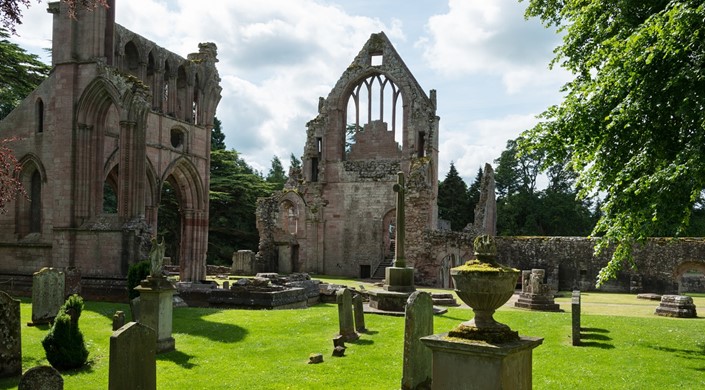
625 347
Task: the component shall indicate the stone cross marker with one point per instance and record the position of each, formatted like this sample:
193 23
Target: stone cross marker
47 294
133 363
10 337
41 377
400 189
345 315
417 366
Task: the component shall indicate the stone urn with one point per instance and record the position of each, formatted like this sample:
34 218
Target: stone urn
484 285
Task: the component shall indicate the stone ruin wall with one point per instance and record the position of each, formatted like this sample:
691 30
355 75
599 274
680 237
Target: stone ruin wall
570 262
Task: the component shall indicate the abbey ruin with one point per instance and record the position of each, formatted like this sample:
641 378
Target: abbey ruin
119 114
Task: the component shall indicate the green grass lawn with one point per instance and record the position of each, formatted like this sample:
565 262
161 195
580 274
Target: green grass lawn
625 347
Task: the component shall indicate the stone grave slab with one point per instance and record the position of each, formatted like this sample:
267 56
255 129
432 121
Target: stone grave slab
41 378
417 365
48 286
133 363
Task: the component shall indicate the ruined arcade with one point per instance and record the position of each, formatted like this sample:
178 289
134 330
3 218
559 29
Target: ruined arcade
118 114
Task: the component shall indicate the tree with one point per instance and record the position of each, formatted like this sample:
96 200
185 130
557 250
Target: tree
276 175
294 163
474 193
11 13
524 210
631 123
217 135
234 189
20 74
453 201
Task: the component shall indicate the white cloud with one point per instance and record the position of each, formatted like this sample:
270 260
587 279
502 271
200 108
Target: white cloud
491 37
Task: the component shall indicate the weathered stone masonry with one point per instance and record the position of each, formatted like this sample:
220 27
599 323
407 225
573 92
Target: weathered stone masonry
338 216
119 113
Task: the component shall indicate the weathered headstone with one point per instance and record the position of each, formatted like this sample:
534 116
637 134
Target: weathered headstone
680 306
41 378
72 281
358 310
417 366
339 351
135 309
47 295
535 294
10 337
226 285
133 363
345 316
575 310
118 320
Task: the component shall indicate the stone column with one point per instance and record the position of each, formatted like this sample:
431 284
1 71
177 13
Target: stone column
156 307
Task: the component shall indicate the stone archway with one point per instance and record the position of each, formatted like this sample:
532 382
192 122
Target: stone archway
690 276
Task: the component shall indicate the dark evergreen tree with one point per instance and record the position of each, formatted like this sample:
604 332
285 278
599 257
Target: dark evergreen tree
20 74
276 176
217 135
453 200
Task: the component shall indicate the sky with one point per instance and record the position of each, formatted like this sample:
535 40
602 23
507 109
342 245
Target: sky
488 64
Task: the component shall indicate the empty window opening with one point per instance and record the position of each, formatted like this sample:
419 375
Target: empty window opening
40 116
314 169
177 138
375 98
376 59
35 208
422 144
319 146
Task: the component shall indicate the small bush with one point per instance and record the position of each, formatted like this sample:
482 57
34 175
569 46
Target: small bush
135 274
64 345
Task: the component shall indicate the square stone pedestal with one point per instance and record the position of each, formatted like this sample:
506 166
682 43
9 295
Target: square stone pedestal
388 300
399 279
156 309
468 365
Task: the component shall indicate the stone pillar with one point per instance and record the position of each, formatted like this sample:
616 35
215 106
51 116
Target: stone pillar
156 307
575 316
476 365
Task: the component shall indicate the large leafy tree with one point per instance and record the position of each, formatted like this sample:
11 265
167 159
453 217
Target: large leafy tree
453 200
632 121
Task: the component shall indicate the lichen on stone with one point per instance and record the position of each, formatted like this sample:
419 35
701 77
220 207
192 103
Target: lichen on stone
479 266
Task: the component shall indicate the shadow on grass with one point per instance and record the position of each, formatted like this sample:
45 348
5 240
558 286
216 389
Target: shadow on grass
177 357
595 344
361 342
594 330
215 331
370 332
590 336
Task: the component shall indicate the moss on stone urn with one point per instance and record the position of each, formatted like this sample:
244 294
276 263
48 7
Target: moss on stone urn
484 285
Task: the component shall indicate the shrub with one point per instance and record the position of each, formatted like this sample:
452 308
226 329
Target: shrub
135 274
64 345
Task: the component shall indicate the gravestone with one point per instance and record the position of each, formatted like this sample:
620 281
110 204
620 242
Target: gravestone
417 366
118 320
226 285
41 378
345 316
72 281
575 315
358 309
10 337
133 363
680 306
47 295
315 358
535 294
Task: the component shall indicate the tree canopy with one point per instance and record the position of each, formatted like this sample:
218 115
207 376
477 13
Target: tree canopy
454 201
631 125
20 74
